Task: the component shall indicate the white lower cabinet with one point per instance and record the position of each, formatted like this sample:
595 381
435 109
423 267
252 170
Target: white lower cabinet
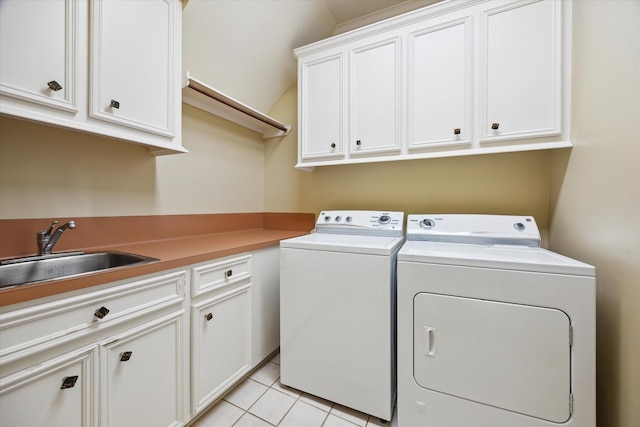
63 358
57 392
152 351
265 265
140 378
221 343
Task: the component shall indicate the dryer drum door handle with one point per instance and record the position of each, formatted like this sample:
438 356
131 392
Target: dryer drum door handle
430 342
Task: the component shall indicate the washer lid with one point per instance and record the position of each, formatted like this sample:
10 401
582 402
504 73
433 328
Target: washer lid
506 257
476 229
372 245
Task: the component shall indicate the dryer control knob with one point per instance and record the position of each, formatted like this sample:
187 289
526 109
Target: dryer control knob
384 219
348 219
338 218
327 218
519 226
427 224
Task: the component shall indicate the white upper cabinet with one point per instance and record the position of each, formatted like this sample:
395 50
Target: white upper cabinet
321 118
521 70
39 54
454 78
375 97
131 73
111 68
439 78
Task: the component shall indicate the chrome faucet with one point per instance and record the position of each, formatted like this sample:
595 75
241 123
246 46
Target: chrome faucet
46 242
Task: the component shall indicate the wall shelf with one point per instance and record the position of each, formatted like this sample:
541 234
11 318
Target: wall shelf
204 97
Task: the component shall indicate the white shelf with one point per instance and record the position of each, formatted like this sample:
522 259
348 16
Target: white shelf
204 97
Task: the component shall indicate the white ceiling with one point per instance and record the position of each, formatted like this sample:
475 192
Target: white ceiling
244 48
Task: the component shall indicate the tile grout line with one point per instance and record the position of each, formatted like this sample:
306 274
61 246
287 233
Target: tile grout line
300 393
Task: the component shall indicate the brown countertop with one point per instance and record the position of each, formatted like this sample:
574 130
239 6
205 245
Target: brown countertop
172 253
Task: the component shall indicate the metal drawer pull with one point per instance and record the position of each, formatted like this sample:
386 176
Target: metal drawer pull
54 85
125 355
333 145
495 126
68 382
208 316
101 312
228 273
456 131
358 142
114 104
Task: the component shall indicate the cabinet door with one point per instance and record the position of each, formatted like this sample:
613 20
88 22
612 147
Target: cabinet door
322 107
375 97
39 52
439 86
521 70
131 64
221 344
141 369
57 392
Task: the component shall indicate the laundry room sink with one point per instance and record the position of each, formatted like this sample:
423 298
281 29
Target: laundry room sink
20 271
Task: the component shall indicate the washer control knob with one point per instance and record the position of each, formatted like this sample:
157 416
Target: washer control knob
327 218
384 219
348 219
338 218
519 226
427 224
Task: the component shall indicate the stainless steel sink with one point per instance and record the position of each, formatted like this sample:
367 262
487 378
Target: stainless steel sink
48 267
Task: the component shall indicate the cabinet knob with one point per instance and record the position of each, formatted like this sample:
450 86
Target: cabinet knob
125 356
101 312
358 143
495 126
456 131
114 104
208 316
68 382
228 273
333 145
54 85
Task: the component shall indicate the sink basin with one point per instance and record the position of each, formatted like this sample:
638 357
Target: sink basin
39 268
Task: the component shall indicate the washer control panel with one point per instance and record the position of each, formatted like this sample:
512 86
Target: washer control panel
382 223
476 229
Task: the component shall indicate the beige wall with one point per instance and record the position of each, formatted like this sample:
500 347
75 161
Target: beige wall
46 172
595 193
515 183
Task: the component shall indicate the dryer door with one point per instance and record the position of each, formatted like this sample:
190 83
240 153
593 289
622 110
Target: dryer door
510 356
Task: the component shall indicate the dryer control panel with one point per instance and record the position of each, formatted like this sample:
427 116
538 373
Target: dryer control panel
474 229
374 223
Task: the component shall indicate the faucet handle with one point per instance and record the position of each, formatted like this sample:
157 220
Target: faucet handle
53 225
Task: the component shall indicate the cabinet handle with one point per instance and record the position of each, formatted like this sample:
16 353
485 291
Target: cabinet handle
495 126
125 356
68 382
228 273
208 316
333 145
456 131
358 142
114 104
101 312
54 85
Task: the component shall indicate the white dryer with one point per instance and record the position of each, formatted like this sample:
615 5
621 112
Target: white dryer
337 309
493 331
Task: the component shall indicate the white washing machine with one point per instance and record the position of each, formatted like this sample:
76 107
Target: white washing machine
337 309
493 331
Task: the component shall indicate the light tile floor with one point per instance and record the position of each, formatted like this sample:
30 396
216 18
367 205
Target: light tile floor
261 401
